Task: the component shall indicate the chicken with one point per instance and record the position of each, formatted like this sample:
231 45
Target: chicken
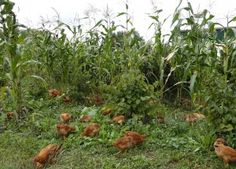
129 139
91 130
54 92
137 138
227 153
124 143
194 117
10 115
46 155
65 117
119 119
64 130
85 118
220 140
107 111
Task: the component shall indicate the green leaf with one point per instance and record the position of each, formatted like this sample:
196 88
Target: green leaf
126 6
38 78
232 20
8 75
190 7
228 127
98 23
192 81
154 17
28 62
137 101
172 54
121 13
175 18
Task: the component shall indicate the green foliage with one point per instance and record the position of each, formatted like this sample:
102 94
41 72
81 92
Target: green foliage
13 61
10 36
131 94
221 106
194 50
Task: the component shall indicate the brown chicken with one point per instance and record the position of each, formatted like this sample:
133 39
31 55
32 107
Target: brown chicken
119 119
107 111
124 143
10 115
194 117
227 153
85 118
220 140
129 139
65 117
137 138
64 130
54 92
91 130
46 155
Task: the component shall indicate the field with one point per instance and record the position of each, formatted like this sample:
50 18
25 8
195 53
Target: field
174 144
156 85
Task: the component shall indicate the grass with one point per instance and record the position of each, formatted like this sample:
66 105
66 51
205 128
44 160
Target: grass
174 144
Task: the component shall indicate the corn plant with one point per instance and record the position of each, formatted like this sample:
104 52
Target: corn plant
194 49
159 53
220 93
16 64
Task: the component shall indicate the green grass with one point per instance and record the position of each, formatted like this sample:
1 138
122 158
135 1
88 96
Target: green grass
174 144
